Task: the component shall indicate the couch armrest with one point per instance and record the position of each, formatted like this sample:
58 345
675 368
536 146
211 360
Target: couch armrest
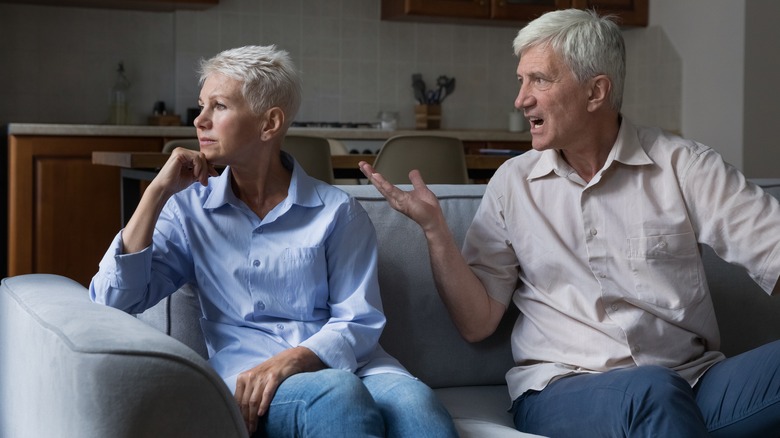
70 367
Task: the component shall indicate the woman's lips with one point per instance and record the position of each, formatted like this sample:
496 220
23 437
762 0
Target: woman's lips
206 141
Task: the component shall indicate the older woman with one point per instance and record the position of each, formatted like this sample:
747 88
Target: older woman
285 266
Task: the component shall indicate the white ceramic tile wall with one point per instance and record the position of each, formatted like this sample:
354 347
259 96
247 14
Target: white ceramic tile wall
59 62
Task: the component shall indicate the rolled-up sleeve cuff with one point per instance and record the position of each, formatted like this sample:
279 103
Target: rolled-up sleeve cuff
126 271
333 350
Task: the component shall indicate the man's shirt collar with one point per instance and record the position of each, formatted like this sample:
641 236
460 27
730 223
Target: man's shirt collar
626 150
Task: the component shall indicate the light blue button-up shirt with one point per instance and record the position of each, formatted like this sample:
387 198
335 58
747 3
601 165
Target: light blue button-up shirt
305 275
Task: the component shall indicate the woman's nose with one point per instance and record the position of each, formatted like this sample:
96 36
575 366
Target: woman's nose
199 120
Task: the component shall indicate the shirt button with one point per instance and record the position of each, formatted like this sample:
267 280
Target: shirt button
261 305
593 232
662 244
602 275
256 263
280 326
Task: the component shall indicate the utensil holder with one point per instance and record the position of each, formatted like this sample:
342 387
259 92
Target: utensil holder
427 116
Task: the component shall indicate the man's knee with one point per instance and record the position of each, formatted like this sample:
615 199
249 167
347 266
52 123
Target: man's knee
656 382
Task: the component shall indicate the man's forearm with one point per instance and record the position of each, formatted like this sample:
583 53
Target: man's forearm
474 312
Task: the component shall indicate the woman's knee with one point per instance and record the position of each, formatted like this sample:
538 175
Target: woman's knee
341 385
409 406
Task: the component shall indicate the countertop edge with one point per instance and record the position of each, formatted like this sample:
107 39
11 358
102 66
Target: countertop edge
46 129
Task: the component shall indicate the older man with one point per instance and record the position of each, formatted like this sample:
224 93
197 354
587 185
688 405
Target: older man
594 235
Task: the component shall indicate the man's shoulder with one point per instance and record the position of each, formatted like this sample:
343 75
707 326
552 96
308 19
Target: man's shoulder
658 142
520 165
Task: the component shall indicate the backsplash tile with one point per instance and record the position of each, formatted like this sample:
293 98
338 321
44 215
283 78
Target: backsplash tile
353 65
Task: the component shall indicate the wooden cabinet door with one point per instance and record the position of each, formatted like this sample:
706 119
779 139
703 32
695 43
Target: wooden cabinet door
63 210
394 9
524 10
630 12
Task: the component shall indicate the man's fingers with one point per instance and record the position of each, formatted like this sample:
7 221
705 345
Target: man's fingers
416 178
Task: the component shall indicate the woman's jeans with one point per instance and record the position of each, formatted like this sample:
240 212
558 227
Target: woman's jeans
737 397
335 403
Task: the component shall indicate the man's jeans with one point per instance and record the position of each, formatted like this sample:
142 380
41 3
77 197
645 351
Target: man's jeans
738 397
334 403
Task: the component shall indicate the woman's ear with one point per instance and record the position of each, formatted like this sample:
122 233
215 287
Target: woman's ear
598 93
271 123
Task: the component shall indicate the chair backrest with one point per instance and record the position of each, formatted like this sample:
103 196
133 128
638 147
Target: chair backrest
187 143
440 159
337 147
312 153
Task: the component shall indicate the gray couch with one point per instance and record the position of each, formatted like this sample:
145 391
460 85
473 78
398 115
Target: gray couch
70 368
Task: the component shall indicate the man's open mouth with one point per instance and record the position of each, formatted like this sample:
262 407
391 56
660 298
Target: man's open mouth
535 122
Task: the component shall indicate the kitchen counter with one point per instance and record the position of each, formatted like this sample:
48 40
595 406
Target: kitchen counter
63 209
41 129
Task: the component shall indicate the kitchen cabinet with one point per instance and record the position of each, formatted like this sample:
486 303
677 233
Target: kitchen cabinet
143 5
629 12
63 211
506 12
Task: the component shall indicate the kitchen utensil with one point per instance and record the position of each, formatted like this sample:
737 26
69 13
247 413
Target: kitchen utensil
418 85
449 87
441 85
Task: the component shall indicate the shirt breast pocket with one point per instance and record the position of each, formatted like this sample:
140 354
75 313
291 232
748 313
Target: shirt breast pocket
306 279
666 269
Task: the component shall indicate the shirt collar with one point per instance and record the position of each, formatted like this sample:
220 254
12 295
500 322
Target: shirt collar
302 190
627 150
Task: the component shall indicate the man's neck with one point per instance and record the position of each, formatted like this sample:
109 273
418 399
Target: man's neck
589 159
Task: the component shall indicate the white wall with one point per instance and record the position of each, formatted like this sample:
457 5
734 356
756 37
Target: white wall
762 89
709 36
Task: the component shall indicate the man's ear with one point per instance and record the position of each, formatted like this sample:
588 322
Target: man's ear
271 123
598 93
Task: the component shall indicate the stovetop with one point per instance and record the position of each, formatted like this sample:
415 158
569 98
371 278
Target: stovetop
342 125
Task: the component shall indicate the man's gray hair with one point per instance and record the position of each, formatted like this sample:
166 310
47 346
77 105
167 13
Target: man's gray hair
268 75
590 45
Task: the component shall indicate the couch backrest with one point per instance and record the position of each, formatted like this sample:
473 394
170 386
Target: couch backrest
747 316
419 331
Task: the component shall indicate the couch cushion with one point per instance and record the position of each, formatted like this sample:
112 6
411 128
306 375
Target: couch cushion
419 331
179 316
480 411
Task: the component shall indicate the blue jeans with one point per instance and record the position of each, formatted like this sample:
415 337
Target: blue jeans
738 397
335 403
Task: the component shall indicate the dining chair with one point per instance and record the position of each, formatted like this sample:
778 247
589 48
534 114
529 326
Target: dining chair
312 153
440 159
187 143
337 147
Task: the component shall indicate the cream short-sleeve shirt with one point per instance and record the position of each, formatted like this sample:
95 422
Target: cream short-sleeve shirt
608 274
